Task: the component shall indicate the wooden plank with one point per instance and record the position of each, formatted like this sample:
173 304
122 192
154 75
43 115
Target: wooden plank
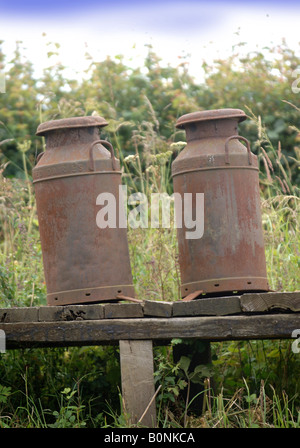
93 332
249 302
137 374
52 313
71 312
123 310
260 302
158 308
28 314
216 306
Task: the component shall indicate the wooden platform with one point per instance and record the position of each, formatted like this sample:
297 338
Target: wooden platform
250 316
136 326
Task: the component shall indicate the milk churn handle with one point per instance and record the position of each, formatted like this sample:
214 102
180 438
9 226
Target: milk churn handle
239 137
103 142
39 156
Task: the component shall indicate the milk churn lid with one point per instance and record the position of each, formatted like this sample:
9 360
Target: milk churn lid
73 122
206 115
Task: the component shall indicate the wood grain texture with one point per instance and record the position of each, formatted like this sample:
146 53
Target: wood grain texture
260 302
123 310
52 313
217 306
158 308
96 332
137 373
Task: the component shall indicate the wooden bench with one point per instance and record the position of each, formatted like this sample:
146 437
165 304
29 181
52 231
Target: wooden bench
136 326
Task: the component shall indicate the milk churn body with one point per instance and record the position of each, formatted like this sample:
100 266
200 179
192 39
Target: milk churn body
230 255
82 262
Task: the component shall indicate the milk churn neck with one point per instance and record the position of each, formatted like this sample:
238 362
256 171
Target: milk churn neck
70 123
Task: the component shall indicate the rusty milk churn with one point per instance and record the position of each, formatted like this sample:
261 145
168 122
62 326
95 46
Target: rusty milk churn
228 256
83 262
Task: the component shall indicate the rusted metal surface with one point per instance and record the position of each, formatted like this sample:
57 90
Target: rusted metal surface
230 256
82 262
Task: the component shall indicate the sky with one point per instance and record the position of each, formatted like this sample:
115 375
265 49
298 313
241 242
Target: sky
195 29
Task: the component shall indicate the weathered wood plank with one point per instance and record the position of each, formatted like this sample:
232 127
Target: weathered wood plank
158 308
28 314
137 374
216 306
93 332
247 303
52 313
260 302
71 312
123 310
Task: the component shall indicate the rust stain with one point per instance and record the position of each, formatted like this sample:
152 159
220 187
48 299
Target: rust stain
230 256
82 262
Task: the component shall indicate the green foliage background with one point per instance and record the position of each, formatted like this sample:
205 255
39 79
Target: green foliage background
259 82
257 381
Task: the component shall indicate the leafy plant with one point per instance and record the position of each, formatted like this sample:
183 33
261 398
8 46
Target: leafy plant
4 393
69 415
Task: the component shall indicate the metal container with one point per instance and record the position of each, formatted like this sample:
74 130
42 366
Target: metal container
229 257
82 262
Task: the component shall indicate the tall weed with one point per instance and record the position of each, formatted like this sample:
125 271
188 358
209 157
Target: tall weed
254 378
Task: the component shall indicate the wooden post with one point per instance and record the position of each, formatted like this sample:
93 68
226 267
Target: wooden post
137 378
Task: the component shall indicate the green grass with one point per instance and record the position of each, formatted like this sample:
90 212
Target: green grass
257 381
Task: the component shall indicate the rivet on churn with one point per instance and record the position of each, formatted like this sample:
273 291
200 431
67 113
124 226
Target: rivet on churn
229 257
82 262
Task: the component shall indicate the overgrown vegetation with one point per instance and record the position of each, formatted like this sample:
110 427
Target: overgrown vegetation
256 382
